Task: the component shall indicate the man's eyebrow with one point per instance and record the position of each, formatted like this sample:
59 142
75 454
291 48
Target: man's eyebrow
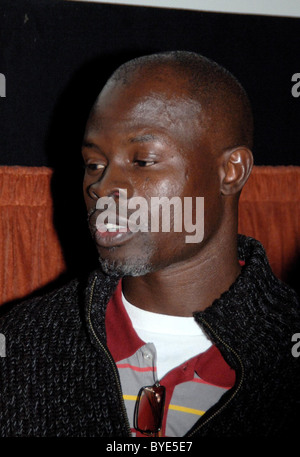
144 138
88 144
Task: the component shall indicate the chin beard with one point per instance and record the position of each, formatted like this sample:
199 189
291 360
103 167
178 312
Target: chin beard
118 268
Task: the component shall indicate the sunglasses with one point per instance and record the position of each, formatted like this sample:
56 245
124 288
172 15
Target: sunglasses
149 409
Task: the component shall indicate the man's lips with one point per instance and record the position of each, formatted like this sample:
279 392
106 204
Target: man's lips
111 228
118 224
112 238
109 234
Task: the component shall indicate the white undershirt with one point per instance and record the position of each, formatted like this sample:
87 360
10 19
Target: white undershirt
176 339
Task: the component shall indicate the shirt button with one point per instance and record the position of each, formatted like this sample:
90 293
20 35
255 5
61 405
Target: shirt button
147 355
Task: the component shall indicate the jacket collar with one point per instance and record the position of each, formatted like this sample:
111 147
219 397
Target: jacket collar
250 317
254 317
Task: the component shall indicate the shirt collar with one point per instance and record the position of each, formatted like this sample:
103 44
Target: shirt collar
123 341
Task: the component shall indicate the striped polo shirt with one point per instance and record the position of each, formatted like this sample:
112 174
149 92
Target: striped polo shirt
191 388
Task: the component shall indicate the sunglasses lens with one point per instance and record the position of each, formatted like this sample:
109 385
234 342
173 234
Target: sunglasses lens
149 409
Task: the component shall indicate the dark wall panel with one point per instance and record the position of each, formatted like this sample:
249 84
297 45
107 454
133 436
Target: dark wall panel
56 55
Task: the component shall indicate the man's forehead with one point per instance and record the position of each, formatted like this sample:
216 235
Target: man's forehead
147 106
145 122
145 101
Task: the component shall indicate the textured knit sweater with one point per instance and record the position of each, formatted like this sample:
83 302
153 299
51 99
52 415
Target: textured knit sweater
59 379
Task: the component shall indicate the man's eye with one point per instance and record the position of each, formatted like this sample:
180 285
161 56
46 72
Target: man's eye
145 163
94 166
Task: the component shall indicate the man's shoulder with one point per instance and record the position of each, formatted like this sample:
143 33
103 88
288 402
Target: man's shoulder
59 304
65 305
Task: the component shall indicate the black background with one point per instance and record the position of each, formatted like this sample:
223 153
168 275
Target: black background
56 55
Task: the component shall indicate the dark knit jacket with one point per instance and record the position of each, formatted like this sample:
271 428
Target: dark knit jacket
58 378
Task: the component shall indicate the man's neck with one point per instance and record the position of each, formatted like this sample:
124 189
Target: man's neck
183 288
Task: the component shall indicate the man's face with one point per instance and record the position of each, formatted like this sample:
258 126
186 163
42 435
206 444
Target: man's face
148 139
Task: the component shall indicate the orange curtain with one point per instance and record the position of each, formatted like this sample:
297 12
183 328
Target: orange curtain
270 212
30 251
31 255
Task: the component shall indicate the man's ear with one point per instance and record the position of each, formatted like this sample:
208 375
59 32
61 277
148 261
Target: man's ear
235 169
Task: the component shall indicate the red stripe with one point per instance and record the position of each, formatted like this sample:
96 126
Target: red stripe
201 381
132 367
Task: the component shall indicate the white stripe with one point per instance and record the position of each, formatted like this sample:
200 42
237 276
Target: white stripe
262 7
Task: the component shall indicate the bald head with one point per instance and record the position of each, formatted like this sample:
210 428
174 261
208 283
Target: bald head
223 103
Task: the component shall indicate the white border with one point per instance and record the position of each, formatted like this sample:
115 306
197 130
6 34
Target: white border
290 8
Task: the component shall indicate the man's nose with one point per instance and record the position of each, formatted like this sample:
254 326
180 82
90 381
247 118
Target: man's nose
113 179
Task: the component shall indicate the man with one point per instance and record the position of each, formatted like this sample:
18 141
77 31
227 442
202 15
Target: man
169 337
